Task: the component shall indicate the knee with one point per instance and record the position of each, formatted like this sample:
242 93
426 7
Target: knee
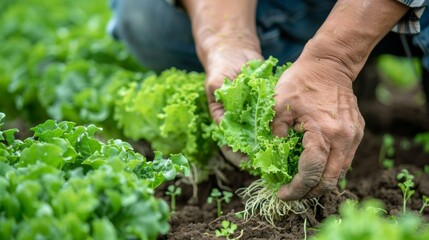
133 18
157 34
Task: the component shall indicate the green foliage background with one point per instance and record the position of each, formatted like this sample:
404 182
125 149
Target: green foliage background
58 61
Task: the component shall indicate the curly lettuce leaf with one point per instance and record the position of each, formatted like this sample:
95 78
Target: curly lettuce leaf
169 111
248 101
64 183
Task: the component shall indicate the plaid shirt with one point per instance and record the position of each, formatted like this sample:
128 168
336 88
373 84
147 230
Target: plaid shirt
410 22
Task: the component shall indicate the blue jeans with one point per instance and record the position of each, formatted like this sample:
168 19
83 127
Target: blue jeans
160 36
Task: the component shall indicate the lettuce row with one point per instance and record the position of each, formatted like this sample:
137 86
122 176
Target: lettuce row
170 111
248 102
63 183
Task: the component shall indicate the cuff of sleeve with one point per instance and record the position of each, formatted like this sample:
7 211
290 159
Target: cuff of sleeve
410 23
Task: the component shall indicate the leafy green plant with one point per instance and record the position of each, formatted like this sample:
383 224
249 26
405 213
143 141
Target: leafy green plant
342 183
423 139
171 112
401 72
248 102
219 197
67 77
173 191
425 203
406 186
405 144
426 169
367 220
387 151
64 183
228 230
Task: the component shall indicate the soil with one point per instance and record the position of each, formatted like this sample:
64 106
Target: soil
366 179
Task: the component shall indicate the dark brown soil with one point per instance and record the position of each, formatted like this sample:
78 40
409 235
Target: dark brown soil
366 179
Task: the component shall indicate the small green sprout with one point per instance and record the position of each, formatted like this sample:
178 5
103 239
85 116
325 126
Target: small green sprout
404 144
387 151
388 163
423 139
426 169
228 229
406 186
173 191
219 196
342 184
425 203
239 215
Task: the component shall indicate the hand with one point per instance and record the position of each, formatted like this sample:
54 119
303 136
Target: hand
315 96
227 63
225 38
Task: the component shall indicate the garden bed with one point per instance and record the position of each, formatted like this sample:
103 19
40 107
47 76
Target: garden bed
367 179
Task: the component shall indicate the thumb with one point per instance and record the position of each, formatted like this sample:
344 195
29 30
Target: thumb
283 118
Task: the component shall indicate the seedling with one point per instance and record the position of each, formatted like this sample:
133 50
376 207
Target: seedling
388 163
405 144
228 229
173 191
425 203
219 197
342 184
406 186
387 151
426 169
423 139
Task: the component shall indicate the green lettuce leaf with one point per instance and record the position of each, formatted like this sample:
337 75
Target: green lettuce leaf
169 111
248 101
64 183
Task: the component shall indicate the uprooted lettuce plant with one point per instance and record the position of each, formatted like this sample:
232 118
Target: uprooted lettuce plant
63 183
248 102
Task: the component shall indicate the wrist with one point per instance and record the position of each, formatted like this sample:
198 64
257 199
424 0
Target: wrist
221 24
210 44
350 33
336 55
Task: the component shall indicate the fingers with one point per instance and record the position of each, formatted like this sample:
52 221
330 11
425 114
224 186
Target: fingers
216 111
234 157
333 171
283 119
310 167
340 159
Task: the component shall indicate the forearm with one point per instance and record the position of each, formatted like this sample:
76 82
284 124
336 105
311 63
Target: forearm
222 22
351 31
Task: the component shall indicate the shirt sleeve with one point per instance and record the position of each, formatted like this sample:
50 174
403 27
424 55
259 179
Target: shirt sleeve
410 23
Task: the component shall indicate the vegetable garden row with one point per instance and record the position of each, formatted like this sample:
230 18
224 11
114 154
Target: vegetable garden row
64 78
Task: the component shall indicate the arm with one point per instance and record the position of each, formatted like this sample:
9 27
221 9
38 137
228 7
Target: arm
225 39
315 95
352 30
